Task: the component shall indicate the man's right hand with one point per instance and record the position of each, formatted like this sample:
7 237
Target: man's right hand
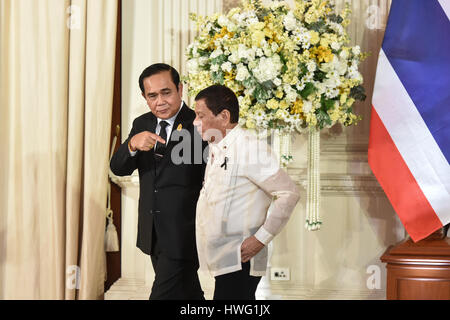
144 141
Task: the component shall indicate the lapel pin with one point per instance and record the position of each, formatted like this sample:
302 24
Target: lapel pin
179 127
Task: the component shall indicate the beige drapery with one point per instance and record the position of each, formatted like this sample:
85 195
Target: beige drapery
56 91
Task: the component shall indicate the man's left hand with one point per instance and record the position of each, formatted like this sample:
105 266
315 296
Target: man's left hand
250 247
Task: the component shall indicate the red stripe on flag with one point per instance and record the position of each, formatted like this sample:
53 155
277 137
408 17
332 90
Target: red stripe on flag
397 181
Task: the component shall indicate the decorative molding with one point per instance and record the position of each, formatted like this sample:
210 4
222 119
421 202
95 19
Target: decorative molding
296 292
135 289
344 152
340 184
331 184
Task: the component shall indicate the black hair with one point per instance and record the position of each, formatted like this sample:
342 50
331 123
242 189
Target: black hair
218 98
158 68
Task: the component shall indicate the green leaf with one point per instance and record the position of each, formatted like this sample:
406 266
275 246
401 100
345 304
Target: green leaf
323 118
268 85
358 93
219 60
335 18
318 26
319 75
218 77
309 88
327 104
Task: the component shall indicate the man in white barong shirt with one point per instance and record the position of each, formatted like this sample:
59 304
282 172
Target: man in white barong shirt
242 179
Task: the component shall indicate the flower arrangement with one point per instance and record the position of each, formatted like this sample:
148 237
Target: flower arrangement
291 68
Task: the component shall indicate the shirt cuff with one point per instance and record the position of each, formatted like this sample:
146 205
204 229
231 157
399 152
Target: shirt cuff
132 153
264 236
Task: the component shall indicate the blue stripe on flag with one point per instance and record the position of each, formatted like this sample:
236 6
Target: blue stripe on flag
417 44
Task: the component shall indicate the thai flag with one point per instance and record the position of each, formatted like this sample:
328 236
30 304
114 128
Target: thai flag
409 147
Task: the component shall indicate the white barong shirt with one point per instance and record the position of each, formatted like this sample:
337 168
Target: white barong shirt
242 180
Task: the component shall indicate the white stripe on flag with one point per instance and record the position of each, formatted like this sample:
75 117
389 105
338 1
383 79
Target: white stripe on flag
445 4
412 138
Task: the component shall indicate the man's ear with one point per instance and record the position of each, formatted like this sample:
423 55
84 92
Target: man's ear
143 95
225 115
180 89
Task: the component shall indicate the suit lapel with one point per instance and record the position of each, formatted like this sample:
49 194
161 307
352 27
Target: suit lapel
151 125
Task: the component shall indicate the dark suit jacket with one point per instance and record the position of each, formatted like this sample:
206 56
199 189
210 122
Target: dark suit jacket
169 191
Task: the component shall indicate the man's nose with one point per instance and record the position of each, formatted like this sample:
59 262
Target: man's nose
196 122
160 100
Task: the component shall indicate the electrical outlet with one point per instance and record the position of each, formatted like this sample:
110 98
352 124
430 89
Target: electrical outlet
280 274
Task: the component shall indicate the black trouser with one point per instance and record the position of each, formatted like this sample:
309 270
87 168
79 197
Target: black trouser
239 285
174 279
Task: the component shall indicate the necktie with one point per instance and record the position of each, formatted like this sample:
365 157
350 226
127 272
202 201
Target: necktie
161 147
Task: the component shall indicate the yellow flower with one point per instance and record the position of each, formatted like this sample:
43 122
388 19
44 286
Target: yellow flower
250 124
314 37
272 104
343 98
284 104
297 108
322 54
350 102
324 42
257 37
257 26
230 76
280 93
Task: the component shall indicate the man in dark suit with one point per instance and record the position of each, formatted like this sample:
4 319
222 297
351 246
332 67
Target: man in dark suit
170 181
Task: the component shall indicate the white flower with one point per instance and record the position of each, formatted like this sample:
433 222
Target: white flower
307 106
289 21
291 94
216 53
222 21
215 67
274 46
242 73
239 18
344 54
268 68
245 53
276 4
259 52
311 66
301 85
267 49
227 67
203 61
232 27
277 82
251 21
192 66
335 46
336 27
356 50
234 57
331 92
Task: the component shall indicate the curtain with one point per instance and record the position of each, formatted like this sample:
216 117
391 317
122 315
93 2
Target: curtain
56 91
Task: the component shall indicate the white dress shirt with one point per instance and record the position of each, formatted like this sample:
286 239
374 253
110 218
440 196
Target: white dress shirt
169 128
242 180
